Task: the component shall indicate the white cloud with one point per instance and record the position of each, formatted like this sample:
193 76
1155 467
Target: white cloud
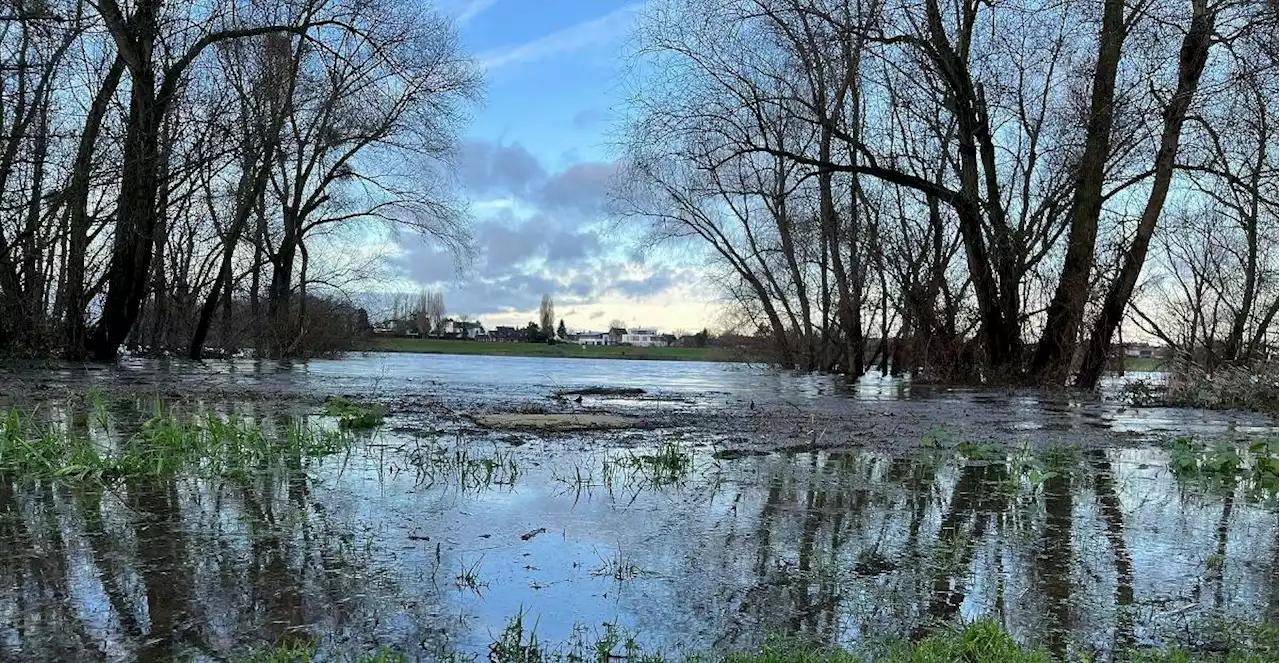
682 307
472 9
596 31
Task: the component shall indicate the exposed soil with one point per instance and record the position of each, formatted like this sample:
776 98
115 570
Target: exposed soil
601 391
554 423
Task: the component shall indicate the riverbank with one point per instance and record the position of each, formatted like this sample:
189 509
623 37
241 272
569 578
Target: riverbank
571 350
1145 364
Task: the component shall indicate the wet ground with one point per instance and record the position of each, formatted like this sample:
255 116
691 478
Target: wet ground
744 502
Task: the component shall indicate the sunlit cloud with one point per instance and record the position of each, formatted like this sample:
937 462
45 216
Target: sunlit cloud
575 37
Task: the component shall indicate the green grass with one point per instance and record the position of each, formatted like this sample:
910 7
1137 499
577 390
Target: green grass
358 416
982 641
1221 467
305 652
170 443
667 465
471 469
1143 364
446 347
979 642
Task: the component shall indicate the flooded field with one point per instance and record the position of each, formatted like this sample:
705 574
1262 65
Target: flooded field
205 511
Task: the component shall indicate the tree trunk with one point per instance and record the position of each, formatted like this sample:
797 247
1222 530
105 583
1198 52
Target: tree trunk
252 184
1191 61
75 343
830 223
1235 339
1066 310
280 292
136 219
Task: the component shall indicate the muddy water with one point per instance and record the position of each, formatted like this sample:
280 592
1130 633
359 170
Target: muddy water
804 507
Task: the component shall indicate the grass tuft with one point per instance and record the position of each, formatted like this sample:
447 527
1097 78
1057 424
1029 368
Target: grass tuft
1223 466
168 444
307 652
666 466
354 415
981 641
472 470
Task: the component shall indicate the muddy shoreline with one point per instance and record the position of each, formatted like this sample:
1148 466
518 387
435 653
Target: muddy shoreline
884 414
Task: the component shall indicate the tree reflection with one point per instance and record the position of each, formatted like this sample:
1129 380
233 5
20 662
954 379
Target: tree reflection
156 570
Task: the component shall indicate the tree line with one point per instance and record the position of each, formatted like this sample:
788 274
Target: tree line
176 174
985 189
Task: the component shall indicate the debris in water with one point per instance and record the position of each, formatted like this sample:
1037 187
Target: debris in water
601 391
733 454
554 422
529 535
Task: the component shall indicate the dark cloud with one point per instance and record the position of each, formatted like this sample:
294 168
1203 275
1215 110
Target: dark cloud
513 292
486 169
520 256
582 286
572 246
652 284
596 315
587 118
582 188
507 243
504 246
425 263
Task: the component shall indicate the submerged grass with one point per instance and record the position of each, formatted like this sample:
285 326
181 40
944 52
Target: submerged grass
355 415
307 652
1223 466
667 465
470 469
631 472
169 443
980 641
469 576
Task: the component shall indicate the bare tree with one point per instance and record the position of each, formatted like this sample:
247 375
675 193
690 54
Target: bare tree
223 152
429 313
547 316
852 164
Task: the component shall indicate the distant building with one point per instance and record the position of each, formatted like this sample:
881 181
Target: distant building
1146 350
616 335
644 338
591 338
473 331
507 335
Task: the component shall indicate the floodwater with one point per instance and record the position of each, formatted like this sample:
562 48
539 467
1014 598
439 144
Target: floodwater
801 506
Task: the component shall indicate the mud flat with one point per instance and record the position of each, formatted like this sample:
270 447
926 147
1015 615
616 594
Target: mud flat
555 422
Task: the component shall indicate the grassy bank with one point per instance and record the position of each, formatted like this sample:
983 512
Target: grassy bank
983 641
447 347
1143 364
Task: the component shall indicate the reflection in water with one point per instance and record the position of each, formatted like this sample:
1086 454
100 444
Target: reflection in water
856 546
152 569
1082 552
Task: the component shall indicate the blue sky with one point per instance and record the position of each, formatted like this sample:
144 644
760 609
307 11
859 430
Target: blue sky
535 164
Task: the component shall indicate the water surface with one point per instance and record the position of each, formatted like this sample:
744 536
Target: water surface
783 521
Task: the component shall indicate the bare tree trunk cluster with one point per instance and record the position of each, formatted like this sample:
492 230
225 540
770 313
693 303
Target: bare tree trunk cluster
219 150
944 173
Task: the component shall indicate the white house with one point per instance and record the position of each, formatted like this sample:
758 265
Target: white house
467 330
643 338
591 338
